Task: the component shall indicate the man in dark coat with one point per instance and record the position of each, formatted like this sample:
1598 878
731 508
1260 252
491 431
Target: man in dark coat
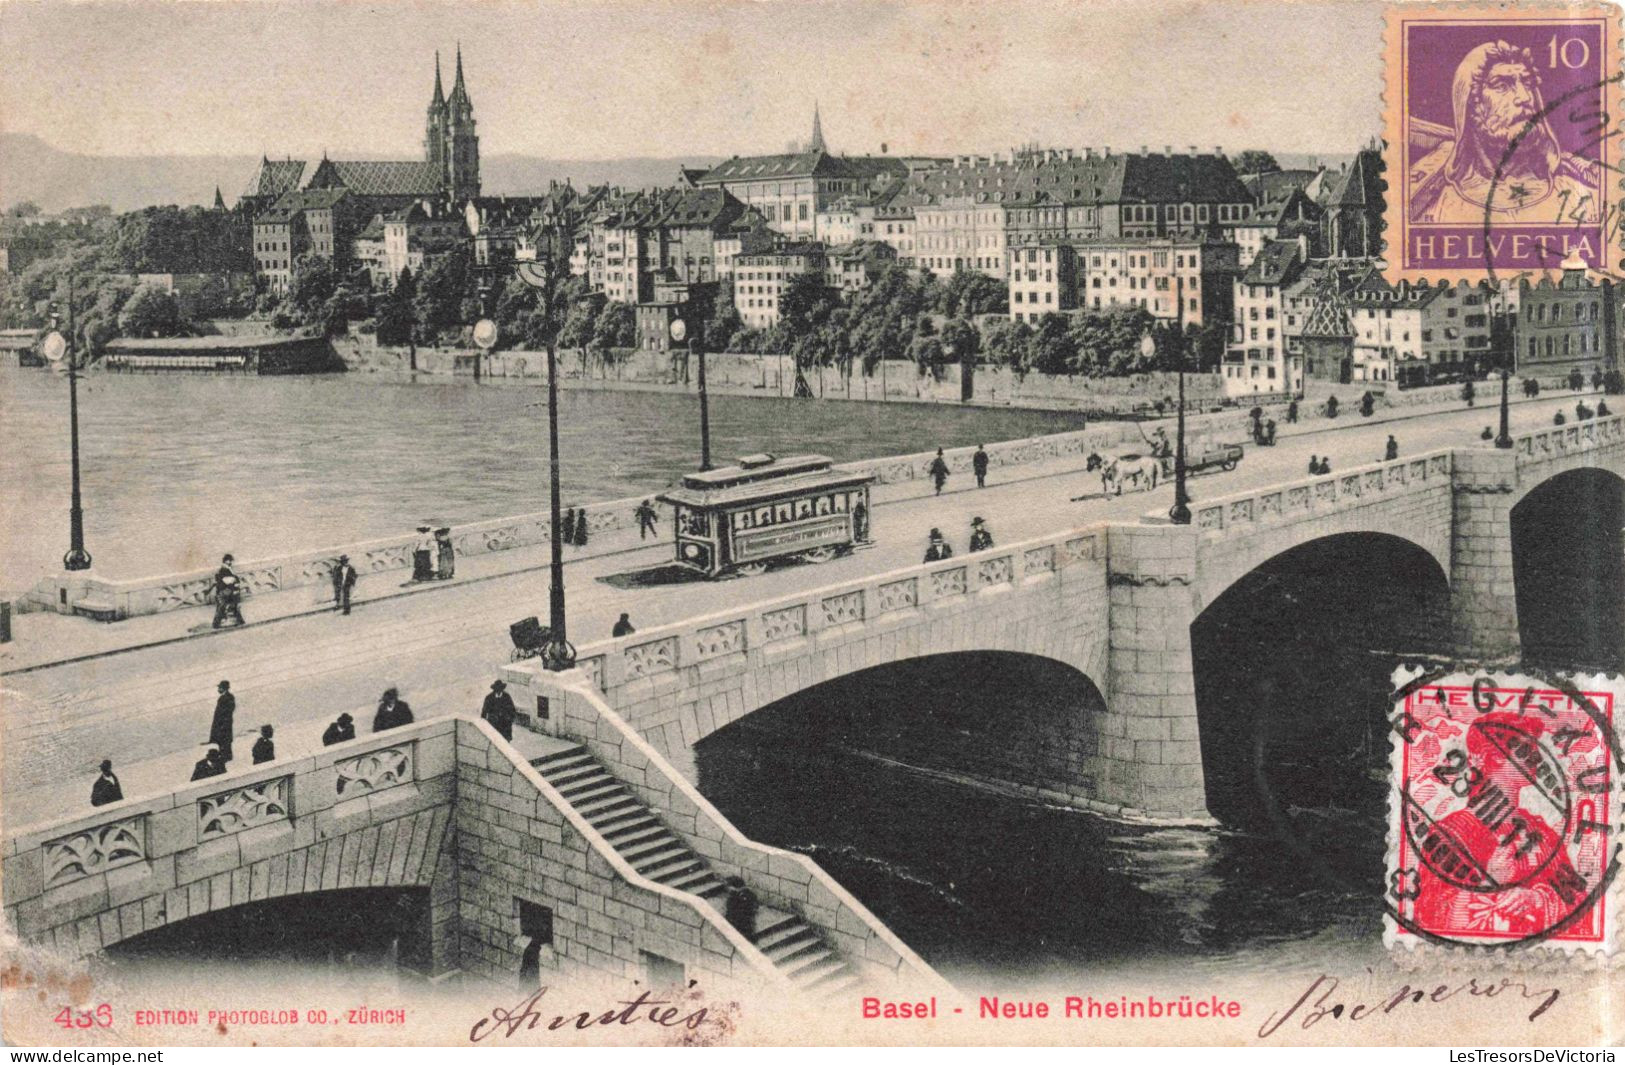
423 555
622 627
339 731
106 789
220 729
264 747
978 463
740 907
939 471
393 712
980 538
646 515
210 765
1392 451
343 583
938 548
228 593
499 709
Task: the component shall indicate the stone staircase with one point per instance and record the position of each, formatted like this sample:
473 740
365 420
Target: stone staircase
656 852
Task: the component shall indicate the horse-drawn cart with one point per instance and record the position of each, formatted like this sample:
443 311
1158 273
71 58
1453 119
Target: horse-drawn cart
1223 456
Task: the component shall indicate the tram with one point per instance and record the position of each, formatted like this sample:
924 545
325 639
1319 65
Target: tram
737 519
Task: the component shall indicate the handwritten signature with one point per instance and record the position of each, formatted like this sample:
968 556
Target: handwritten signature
641 1010
1320 1001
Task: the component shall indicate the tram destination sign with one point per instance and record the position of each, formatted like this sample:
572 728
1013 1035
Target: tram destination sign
769 543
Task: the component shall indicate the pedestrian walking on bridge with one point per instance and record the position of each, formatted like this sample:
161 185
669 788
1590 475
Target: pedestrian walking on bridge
106 789
646 515
499 709
936 548
445 555
343 583
264 747
342 729
228 593
939 471
978 463
423 555
980 538
210 765
623 627
393 712
1392 451
220 729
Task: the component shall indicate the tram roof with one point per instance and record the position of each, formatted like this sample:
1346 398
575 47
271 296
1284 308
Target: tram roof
762 477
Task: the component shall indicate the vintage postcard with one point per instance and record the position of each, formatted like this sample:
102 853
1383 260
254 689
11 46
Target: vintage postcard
846 523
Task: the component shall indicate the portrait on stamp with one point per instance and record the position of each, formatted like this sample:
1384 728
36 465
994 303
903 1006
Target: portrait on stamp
1499 135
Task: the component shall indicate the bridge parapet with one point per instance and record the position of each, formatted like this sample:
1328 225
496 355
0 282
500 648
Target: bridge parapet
1312 497
1561 440
653 653
87 881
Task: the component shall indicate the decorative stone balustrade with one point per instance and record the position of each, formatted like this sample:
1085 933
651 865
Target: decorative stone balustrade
375 770
667 650
263 803
1316 495
95 850
1568 439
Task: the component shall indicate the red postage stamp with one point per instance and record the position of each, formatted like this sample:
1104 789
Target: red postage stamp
1502 139
1503 823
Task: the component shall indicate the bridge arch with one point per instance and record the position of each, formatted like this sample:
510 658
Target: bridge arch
389 924
1425 515
1021 721
1568 565
1292 668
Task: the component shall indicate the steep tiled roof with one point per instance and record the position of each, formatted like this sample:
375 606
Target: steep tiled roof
1278 185
1086 179
800 164
275 176
379 177
297 201
1278 262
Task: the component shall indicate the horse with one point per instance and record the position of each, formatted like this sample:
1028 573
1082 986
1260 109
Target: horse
1135 468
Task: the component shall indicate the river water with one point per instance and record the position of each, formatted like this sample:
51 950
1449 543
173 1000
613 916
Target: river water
180 469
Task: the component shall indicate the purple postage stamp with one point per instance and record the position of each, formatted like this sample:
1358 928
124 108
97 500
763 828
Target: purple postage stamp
1503 148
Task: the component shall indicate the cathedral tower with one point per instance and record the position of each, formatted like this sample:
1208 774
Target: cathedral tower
434 136
462 145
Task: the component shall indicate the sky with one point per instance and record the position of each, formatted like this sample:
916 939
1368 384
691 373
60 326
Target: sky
569 80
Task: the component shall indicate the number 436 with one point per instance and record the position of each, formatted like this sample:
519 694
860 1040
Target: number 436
100 1017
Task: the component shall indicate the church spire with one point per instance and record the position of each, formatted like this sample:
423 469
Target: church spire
817 143
458 89
439 94
219 200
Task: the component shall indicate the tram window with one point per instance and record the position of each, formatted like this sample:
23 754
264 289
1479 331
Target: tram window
826 504
783 512
804 508
693 522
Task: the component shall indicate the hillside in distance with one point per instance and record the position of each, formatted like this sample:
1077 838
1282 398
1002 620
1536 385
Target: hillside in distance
31 170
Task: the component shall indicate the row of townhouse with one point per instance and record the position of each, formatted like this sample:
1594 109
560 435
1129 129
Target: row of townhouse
1384 334
1180 278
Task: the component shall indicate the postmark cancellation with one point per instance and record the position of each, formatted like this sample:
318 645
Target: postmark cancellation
1504 814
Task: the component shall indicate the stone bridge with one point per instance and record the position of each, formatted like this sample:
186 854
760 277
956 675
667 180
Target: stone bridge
465 825
1114 601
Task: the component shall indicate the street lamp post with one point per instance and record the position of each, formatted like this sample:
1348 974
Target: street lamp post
1503 439
57 346
540 274
683 331
1180 512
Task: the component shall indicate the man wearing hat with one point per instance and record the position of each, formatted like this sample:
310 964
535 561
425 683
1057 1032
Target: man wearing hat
938 548
228 593
980 538
220 729
339 731
106 789
499 709
423 555
210 765
343 583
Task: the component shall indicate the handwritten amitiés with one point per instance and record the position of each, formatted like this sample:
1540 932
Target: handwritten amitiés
640 1010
